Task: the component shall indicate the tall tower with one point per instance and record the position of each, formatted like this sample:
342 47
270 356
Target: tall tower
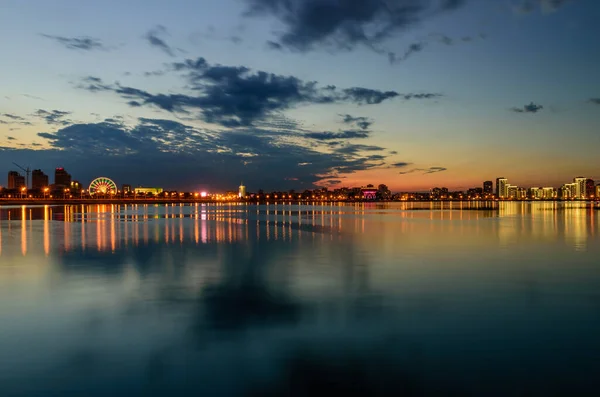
580 187
488 187
62 177
15 180
39 180
501 187
242 190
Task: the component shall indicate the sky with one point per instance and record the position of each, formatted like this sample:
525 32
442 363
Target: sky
293 94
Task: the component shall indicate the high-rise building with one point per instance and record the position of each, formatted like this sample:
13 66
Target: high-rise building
535 193
512 192
548 193
502 187
62 177
580 183
39 180
488 187
15 180
597 191
242 191
590 188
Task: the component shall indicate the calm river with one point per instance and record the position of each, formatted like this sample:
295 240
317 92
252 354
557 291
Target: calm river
287 300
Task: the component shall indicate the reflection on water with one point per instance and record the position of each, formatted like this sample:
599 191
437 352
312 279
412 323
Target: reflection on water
271 300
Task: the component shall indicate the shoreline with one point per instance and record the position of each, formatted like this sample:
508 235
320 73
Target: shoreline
485 204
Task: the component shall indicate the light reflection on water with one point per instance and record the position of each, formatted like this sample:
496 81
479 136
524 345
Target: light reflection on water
376 299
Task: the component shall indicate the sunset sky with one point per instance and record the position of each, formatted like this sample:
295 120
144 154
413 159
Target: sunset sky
284 94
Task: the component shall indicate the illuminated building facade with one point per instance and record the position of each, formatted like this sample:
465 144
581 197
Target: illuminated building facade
580 187
39 180
369 193
535 193
548 193
598 191
511 192
62 177
15 180
242 191
148 190
501 187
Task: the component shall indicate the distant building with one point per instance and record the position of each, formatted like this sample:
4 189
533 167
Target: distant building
502 187
126 189
476 192
535 193
580 184
242 191
590 188
488 187
62 177
598 191
146 190
548 193
512 192
369 193
15 180
39 180
568 191
439 193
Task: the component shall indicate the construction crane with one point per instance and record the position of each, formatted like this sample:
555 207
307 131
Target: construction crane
27 171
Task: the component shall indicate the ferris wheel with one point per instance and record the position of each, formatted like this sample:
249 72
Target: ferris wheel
102 185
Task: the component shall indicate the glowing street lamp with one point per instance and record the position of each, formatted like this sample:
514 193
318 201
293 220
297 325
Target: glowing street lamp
23 191
46 190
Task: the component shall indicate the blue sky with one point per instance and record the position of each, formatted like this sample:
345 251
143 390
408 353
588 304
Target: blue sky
477 90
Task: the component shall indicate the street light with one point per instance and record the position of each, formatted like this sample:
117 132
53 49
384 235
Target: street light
46 192
23 191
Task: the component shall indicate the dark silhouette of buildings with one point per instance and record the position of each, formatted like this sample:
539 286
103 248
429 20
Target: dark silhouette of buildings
590 188
39 180
488 187
15 180
62 177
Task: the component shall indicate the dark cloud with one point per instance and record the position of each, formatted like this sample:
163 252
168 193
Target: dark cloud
11 138
362 122
354 149
93 84
424 171
348 134
595 101
368 96
531 108
412 49
345 24
53 117
175 155
235 96
13 117
400 165
417 47
154 38
546 6
78 43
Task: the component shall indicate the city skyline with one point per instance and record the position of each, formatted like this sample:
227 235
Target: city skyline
193 96
579 188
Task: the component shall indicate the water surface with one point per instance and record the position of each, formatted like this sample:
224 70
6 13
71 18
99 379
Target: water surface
362 299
